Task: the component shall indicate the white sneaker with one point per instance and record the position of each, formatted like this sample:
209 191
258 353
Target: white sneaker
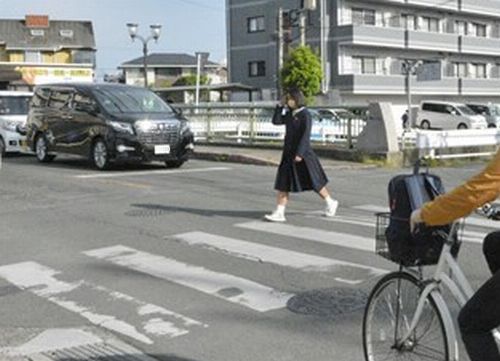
275 217
331 209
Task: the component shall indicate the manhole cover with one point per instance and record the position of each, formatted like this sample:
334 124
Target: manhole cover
109 351
329 302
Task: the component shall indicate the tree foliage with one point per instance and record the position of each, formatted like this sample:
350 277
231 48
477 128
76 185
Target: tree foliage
302 70
191 80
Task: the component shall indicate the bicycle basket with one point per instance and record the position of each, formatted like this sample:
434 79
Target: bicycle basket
395 242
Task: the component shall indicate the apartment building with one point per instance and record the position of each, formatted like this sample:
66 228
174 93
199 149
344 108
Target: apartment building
363 43
41 50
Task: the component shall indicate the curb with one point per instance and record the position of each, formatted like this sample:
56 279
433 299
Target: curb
233 158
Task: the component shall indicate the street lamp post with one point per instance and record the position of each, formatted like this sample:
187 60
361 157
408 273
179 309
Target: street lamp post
155 35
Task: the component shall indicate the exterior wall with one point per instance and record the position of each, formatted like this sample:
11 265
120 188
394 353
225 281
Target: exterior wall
387 40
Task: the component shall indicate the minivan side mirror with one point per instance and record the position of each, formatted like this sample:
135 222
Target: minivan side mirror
177 111
21 129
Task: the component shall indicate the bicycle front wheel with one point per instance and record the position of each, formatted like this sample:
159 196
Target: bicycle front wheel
388 316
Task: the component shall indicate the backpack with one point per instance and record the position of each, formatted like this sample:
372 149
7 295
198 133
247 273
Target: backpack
423 247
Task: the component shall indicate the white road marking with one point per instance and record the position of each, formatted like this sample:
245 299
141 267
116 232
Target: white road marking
312 234
263 253
52 340
42 281
228 287
150 173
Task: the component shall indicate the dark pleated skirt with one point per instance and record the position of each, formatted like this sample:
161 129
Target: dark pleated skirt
299 177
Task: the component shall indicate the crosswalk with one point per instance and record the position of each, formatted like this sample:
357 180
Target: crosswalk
148 322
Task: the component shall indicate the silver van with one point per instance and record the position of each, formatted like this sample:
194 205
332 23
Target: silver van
446 116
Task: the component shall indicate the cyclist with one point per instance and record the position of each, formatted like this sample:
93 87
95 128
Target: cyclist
481 314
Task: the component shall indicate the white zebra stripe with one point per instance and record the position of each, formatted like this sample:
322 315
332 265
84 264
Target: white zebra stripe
243 292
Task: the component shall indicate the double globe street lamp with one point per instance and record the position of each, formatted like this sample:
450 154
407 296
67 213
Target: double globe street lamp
155 35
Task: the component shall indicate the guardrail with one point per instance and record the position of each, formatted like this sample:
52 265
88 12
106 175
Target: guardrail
460 143
252 123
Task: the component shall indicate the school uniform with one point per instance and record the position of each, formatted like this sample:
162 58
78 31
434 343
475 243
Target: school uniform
295 176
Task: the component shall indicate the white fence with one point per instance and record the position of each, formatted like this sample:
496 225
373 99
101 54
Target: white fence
466 142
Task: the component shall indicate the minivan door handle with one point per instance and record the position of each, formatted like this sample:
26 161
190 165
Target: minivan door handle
67 117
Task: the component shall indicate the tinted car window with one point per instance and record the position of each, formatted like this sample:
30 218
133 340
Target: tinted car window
40 98
60 99
16 105
82 102
479 109
130 100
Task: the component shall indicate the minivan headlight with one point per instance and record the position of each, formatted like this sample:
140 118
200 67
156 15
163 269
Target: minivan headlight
122 127
10 125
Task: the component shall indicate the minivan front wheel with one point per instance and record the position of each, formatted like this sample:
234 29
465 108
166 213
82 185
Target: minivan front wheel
100 155
174 163
462 126
2 147
425 125
41 149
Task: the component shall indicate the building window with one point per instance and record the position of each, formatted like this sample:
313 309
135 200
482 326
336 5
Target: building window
66 33
33 57
479 30
83 57
408 22
460 70
430 24
461 27
256 69
363 16
364 65
256 25
37 32
479 71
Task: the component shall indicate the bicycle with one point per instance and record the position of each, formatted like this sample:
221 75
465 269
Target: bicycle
406 316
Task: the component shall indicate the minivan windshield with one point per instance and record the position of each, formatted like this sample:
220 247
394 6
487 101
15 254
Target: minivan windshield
130 100
465 110
14 105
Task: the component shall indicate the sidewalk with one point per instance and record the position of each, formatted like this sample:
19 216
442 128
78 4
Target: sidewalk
259 156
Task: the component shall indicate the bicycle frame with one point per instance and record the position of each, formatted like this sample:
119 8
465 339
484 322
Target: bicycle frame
457 284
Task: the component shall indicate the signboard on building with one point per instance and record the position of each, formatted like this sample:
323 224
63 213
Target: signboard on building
430 71
44 75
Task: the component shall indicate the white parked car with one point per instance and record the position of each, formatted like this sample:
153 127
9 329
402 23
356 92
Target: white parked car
446 115
14 108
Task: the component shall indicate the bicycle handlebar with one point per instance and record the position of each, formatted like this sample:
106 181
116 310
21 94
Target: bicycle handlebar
490 211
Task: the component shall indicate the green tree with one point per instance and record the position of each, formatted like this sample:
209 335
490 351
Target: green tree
191 80
302 69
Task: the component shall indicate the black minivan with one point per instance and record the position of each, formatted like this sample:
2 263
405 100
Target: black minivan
106 123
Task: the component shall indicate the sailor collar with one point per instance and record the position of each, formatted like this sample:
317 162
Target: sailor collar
297 111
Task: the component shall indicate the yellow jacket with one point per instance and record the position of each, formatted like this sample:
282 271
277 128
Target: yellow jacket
481 189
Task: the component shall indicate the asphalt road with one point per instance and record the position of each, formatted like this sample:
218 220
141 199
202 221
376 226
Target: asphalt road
179 265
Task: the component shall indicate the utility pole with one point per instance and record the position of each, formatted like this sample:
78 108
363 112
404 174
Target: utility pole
302 28
201 59
279 54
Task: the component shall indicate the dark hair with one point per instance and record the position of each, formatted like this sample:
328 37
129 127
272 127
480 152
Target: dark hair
297 95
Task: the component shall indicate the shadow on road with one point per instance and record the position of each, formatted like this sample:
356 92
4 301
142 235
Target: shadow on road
155 210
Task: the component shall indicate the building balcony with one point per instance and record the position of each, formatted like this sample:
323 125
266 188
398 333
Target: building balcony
479 7
390 37
478 45
393 85
480 87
